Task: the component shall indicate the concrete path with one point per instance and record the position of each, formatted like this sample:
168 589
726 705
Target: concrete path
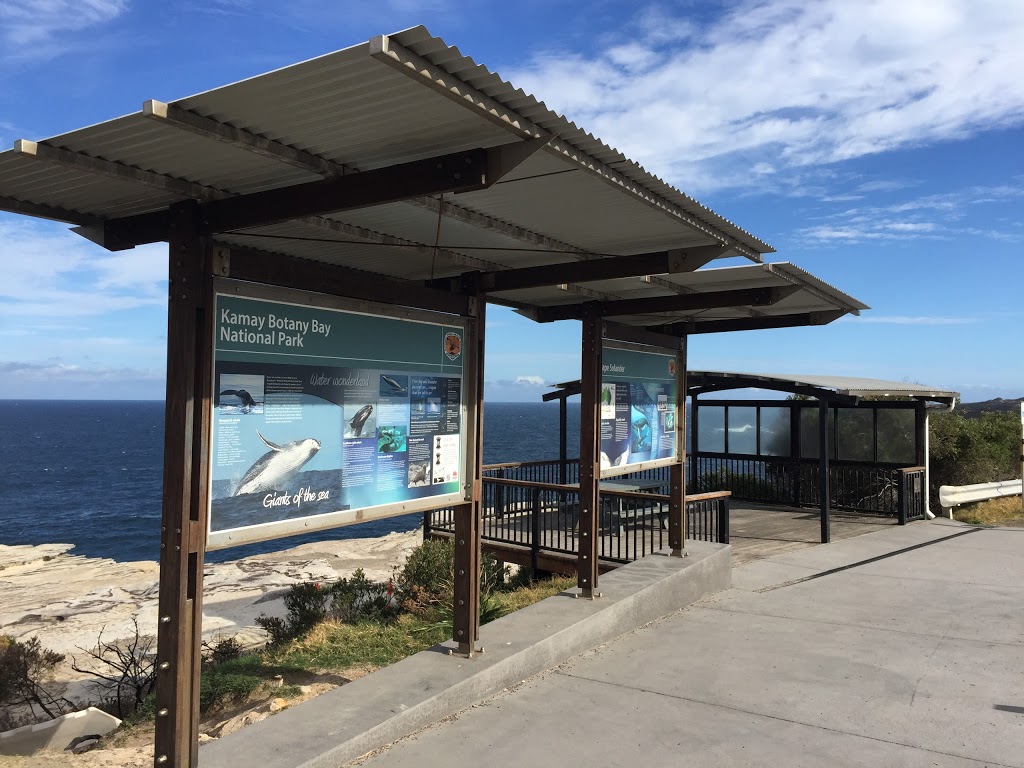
903 647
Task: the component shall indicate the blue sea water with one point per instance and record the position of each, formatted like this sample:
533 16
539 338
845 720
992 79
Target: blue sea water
89 473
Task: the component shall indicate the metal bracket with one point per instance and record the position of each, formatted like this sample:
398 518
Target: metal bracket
222 261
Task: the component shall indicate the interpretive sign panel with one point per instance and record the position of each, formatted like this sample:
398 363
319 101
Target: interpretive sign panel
328 413
639 419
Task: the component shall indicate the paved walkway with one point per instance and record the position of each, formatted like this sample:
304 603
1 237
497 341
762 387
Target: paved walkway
854 654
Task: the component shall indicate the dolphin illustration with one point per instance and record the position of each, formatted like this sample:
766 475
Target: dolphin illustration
394 384
357 421
247 400
277 466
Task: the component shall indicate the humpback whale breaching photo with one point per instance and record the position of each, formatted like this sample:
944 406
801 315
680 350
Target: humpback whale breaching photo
276 467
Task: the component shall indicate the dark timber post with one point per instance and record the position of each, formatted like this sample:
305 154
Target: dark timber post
468 516
796 450
185 489
677 474
694 444
824 484
590 467
563 426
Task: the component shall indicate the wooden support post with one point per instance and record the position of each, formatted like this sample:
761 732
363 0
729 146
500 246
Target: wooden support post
185 489
824 482
590 462
468 516
677 475
563 426
694 440
796 450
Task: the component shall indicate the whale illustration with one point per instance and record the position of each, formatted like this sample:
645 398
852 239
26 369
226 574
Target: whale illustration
246 399
357 421
392 383
277 466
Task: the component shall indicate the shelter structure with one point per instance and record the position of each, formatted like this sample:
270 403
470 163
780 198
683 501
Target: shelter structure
769 451
351 204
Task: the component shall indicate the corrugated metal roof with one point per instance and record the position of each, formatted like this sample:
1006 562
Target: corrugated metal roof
811 294
852 386
350 107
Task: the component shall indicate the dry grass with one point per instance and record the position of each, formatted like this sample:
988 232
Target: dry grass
1004 511
534 593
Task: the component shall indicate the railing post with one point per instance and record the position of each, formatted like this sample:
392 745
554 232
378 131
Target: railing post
499 496
426 523
676 510
723 520
901 490
535 535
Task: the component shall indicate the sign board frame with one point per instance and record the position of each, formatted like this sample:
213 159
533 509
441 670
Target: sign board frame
672 356
341 309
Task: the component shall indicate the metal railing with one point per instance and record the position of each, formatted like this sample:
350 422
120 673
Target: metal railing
913 496
544 516
854 486
707 516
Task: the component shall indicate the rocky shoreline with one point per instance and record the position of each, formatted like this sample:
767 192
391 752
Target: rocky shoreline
66 600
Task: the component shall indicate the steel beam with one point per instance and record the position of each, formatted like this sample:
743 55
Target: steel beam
457 172
676 303
185 490
590 452
639 335
54 213
82 162
606 268
277 269
690 327
193 122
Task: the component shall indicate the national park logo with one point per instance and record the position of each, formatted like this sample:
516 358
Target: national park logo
452 345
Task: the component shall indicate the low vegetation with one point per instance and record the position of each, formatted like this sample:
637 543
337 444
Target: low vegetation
1006 511
331 631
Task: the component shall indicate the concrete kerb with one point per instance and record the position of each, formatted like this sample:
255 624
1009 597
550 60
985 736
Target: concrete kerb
394 702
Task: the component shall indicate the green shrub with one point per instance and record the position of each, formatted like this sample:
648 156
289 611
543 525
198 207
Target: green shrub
427 577
426 573
964 451
357 598
26 677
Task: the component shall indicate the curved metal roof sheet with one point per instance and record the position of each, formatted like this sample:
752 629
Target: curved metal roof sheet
390 100
850 386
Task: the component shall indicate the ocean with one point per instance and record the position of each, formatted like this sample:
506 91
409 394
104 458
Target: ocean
89 473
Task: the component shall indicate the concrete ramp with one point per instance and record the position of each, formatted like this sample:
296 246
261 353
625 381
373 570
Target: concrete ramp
396 701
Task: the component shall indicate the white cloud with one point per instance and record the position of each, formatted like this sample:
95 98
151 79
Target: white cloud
533 381
37 29
933 217
51 272
55 379
786 83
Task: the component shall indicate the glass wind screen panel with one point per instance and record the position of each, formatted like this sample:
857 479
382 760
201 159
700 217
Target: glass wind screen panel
896 436
711 428
742 429
809 434
775 433
855 435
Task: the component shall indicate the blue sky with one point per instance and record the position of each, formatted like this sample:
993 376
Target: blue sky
879 145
